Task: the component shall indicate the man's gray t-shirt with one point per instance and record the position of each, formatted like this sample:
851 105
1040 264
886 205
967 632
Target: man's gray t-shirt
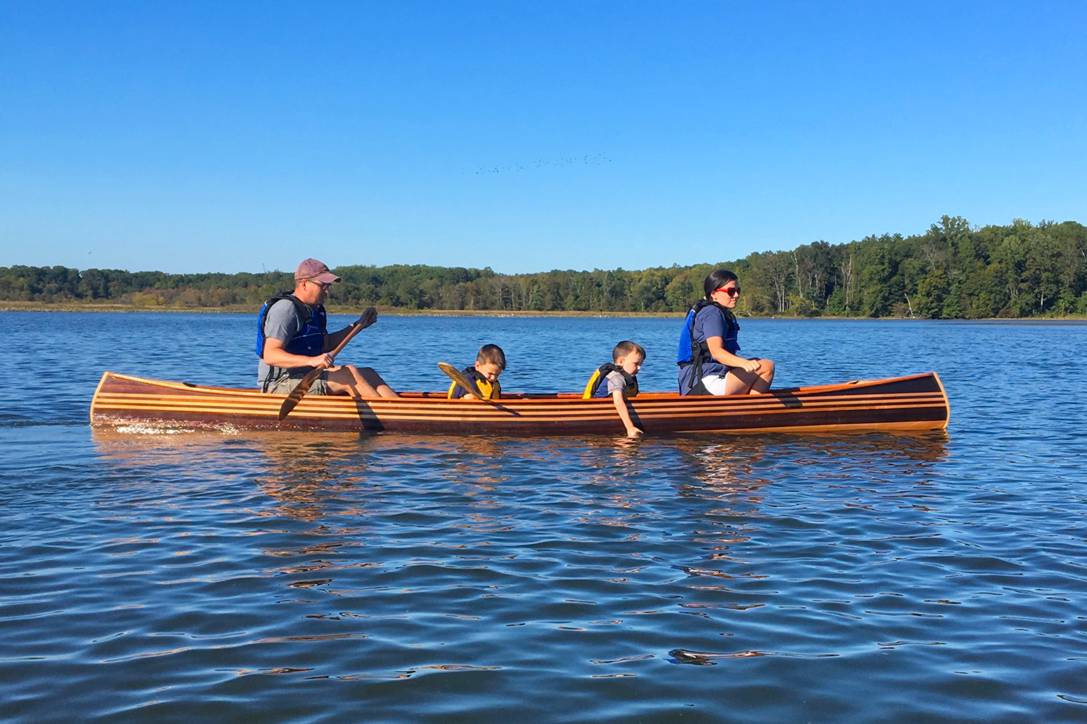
281 322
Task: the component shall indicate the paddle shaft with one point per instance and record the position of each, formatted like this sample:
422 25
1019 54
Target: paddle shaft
306 382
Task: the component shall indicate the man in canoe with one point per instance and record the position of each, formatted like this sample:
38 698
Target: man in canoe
293 338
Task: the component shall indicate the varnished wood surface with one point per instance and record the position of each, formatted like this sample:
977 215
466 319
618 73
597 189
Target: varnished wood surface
916 402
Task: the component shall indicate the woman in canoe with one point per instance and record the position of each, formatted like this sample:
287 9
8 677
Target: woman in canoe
708 357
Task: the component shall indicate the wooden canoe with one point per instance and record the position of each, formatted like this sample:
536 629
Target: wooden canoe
916 402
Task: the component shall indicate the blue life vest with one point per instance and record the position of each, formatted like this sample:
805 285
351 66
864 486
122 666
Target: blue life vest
310 340
595 387
688 347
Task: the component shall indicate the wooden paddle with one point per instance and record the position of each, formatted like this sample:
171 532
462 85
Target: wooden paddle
473 392
368 317
458 377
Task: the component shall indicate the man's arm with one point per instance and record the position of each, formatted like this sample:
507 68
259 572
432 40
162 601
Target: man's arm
368 317
276 356
333 338
281 324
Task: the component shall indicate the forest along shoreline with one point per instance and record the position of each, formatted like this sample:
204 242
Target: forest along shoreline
399 312
952 271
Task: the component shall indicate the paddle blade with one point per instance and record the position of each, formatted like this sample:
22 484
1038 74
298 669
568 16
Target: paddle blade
458 377
298 393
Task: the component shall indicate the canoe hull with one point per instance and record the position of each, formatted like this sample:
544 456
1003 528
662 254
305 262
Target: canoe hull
916 402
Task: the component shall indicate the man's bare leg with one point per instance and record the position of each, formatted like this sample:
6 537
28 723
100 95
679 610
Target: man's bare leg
373 380
357 382
346 381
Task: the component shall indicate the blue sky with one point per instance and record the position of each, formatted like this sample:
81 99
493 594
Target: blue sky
200 136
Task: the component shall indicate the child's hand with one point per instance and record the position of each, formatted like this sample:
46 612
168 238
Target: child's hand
634 433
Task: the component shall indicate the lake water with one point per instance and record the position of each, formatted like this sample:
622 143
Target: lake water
392 577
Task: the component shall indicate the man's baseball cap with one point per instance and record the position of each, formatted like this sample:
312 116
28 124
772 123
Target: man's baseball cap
315 270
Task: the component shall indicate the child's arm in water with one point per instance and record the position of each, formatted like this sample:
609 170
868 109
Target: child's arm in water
624 413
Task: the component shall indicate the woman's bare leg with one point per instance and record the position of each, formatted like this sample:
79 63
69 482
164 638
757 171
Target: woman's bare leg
739 382
765 374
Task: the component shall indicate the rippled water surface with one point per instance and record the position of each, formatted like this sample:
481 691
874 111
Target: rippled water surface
338 577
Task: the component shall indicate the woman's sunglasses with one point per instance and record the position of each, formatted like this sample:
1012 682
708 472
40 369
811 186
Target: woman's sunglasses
731 291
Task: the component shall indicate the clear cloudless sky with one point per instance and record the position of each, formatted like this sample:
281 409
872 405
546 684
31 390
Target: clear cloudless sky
243 136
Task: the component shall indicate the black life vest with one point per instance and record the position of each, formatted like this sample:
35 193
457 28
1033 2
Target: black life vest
484 388
595 387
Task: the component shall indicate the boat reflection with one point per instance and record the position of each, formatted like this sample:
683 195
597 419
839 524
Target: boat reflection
690 503
294 469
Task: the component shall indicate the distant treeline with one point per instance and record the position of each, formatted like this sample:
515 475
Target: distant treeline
949 272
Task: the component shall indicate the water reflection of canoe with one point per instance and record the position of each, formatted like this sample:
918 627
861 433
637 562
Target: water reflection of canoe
916 402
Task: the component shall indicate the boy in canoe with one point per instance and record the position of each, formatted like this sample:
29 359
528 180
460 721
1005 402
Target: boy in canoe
619 380
293 338
490 364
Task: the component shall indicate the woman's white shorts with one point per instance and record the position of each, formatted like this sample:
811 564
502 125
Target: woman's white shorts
715 384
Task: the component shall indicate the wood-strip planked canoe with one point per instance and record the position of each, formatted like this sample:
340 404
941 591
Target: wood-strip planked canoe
912 403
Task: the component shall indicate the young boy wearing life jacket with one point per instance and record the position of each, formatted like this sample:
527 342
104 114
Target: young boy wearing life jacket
490 363
619 380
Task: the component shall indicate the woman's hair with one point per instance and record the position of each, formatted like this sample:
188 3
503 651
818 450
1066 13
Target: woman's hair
717 279
493 354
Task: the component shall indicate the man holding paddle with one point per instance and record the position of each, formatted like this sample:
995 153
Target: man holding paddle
293 340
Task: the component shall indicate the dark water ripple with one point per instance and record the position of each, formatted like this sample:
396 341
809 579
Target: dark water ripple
335 577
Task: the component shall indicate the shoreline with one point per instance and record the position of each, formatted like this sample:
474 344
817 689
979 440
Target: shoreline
9 306
332 309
